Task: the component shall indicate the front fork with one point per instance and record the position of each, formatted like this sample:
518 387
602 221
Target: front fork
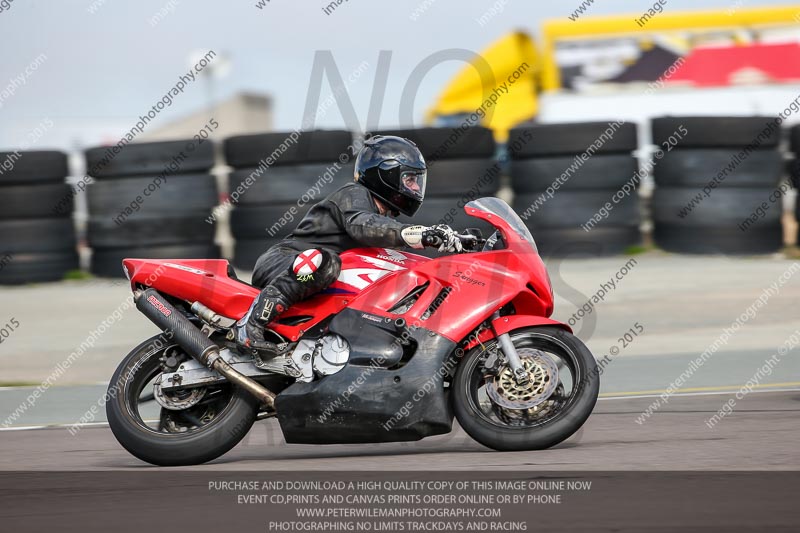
511 355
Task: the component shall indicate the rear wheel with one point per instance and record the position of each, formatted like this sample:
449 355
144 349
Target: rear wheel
196 426
500 413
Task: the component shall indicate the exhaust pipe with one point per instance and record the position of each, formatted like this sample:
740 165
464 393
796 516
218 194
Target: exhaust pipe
189 337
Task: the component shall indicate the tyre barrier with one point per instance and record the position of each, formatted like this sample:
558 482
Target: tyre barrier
151 200
142 159
277 177
247 251
156 199
37 235
575 186
713 185
793 171
106 262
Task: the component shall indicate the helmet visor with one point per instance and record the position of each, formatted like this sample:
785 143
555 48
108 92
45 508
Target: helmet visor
413 182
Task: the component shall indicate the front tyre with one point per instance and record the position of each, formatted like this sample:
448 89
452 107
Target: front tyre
501 414
199 425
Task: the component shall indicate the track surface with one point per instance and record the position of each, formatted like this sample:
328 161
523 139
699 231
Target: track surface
761 434
52 480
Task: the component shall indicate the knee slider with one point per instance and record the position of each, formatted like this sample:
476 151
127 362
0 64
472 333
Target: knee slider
318 265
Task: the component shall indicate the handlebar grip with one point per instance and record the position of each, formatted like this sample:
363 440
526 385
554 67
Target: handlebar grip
470 242
431 240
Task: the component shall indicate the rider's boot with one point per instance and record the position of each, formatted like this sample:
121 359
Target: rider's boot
250 328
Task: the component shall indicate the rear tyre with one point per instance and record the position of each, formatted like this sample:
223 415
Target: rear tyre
194 436
565 402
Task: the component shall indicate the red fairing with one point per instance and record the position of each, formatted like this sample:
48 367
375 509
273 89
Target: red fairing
464 290
193 280
361 268
451 295
207 281
510 323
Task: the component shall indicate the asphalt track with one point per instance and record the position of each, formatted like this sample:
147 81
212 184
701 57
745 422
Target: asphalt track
683 304
739 475
761 434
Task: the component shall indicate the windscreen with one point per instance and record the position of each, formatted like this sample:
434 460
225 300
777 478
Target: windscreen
499 208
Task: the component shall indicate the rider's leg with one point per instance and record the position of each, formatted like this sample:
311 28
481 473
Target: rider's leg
287 278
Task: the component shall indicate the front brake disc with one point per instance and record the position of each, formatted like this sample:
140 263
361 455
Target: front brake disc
542 372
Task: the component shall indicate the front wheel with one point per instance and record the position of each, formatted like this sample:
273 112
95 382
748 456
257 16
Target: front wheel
559 396
186 427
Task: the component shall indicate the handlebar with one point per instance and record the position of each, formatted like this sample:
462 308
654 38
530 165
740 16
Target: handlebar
432 241
469 242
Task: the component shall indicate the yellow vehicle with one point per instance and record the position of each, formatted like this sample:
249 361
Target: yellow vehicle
516 80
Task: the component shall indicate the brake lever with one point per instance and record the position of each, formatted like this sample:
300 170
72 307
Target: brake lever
468 242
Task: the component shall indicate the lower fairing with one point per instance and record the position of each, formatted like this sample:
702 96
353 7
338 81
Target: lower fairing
376 397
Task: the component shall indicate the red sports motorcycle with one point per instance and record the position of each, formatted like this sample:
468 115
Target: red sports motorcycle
392 351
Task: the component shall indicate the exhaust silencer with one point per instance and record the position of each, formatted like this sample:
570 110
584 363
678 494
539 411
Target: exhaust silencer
189 337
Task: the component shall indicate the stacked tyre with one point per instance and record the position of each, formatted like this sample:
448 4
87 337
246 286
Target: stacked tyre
150 200
277 177
461 167
712 190
575 185
793 171
37 236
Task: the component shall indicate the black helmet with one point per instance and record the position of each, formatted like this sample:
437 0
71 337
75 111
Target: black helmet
393 169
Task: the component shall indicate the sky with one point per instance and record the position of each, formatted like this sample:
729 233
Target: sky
102 63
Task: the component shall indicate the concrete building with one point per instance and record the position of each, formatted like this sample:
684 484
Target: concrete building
243 113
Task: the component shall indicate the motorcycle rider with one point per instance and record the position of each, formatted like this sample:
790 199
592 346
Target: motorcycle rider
390 175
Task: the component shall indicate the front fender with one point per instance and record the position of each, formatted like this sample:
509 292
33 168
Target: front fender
505 324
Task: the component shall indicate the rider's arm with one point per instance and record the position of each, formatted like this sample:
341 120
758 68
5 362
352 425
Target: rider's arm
359 219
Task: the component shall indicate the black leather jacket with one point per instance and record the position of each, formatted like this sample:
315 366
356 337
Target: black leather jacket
347 218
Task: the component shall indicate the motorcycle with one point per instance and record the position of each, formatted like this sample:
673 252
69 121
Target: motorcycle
394 350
